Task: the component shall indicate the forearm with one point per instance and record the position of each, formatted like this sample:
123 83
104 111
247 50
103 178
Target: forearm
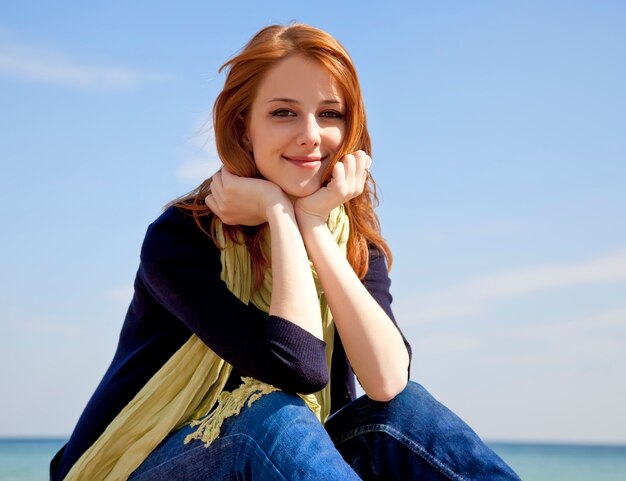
294 295
179 284
372 342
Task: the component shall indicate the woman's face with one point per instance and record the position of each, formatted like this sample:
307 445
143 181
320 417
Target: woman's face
296 124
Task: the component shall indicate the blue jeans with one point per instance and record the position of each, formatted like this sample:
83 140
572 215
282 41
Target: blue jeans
411 437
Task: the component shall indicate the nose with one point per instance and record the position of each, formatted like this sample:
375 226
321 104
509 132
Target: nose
310 132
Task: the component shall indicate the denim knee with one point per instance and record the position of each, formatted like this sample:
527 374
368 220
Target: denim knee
276 438
418 434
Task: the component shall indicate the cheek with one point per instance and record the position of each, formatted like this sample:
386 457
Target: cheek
272 138
336 136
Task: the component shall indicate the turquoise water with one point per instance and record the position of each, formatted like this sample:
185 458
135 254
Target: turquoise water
564 462
27 460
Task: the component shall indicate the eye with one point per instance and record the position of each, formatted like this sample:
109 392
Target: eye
282 113
332 114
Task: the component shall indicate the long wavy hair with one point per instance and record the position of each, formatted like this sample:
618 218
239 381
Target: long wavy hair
245 71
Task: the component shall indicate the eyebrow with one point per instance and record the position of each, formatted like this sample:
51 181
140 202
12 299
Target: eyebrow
294 101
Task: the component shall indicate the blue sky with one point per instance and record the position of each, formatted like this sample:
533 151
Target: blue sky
498 136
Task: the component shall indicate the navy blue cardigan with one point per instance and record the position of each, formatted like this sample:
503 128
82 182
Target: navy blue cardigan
178 292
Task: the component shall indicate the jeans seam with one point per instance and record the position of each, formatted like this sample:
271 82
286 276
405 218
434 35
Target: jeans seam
255 445
169 460
267 457
409 443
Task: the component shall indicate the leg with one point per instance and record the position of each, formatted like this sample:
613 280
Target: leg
412 437
277 438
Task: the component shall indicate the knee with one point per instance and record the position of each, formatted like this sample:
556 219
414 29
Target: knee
417 398
412 392
413 404
274 413
415 390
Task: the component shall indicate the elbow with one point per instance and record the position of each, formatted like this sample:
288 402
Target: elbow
388 384
313 380
388 389
300 377
295 358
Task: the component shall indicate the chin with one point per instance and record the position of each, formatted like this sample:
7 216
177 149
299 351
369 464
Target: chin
301 191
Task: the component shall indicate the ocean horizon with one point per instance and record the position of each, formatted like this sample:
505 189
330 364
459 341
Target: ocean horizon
27 459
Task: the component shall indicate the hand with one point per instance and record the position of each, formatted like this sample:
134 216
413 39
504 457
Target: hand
242 200
347 182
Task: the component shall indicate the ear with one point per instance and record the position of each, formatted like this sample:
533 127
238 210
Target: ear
244 132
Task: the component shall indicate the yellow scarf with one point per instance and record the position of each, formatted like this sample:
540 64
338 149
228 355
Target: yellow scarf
189 384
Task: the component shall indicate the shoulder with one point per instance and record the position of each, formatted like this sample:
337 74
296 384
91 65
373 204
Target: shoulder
175 230
172 217
177 221
377 264
377 280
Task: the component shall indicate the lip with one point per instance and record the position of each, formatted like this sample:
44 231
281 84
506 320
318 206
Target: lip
304 158
305 162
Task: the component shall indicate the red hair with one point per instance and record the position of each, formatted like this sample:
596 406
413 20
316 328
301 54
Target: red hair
244 74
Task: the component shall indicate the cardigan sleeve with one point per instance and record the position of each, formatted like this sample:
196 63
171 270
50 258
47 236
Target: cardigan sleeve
180 266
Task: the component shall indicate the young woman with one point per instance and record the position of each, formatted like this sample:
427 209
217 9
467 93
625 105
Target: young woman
258 298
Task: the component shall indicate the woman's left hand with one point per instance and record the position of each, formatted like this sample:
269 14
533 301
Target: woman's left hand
347 182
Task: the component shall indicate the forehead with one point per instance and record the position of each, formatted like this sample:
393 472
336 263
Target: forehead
301 78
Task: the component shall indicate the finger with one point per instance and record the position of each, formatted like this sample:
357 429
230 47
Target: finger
339 173
217 178
339 184
349 162
367 165
360 175
360 159
217 186
359 178
230 183
209 200
214 205
226 174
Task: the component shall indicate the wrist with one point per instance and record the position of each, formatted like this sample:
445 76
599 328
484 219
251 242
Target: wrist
310 215
275 201
277 207
308 220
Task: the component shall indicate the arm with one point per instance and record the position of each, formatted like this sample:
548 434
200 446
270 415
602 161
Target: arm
246 201
372 341
180 268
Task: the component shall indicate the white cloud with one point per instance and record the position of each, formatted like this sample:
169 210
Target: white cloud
473 296
203 161
196 169
576 343
584 326
36 64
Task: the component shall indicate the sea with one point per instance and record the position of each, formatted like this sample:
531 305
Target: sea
28 459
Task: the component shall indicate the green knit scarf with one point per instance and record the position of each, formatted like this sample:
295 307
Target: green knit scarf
192 381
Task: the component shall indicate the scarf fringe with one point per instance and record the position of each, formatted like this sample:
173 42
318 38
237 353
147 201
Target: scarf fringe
229 404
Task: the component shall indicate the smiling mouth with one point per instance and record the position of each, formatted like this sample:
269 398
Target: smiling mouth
306 162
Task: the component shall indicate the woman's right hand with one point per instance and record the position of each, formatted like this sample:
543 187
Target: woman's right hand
242 200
